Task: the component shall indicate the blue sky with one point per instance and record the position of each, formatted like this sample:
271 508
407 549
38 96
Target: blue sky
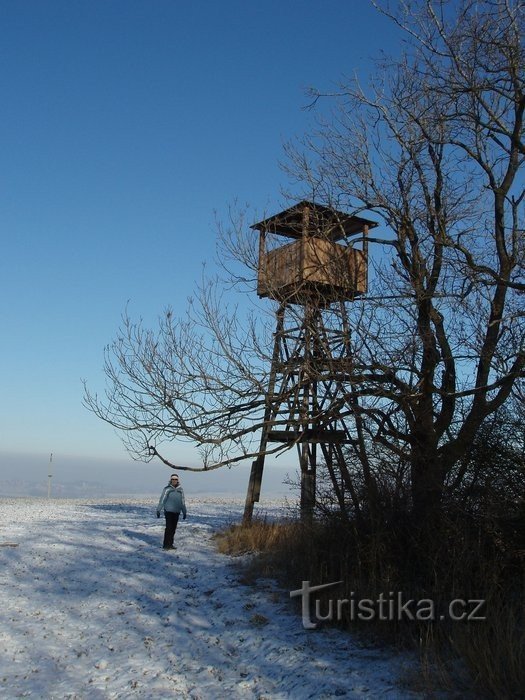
124 127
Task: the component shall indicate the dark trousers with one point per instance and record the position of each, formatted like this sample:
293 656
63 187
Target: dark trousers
171 525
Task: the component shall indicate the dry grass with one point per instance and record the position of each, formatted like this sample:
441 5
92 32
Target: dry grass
483 659
259 536
494 651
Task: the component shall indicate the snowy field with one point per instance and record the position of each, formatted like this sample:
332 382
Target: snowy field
91 607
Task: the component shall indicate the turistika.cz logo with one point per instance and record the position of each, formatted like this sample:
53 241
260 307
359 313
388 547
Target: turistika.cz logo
388 607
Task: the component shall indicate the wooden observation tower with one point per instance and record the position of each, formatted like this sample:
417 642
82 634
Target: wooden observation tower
312 277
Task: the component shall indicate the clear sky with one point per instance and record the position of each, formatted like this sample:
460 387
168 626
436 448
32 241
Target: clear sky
124 126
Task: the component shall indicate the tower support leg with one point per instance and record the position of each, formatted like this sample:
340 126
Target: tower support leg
307 495
254 489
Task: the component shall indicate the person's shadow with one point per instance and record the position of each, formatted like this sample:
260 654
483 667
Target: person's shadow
142 536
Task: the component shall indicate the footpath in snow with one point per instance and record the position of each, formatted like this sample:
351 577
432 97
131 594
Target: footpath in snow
92 608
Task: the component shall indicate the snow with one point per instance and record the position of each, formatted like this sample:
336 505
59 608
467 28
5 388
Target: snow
92 607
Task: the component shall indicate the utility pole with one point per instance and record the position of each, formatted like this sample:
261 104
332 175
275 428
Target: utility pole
49 475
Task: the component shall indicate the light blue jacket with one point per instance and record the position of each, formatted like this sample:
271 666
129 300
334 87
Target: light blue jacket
172 500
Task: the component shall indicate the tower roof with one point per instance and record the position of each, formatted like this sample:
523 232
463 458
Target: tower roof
309 219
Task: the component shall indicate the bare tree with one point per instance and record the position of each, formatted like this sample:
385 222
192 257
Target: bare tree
434 147
199 379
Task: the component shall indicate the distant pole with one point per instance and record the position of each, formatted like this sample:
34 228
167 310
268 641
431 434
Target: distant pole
49 475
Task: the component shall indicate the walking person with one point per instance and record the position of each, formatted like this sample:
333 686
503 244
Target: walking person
172 501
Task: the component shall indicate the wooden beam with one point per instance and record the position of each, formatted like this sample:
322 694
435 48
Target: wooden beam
313 435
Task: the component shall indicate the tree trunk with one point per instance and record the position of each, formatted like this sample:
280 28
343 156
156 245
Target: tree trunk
427 490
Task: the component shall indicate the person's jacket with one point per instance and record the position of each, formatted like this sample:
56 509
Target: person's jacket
172 500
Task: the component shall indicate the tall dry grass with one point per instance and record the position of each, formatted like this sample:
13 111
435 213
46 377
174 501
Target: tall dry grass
468 559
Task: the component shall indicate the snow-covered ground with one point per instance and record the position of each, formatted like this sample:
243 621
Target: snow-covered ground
91 607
